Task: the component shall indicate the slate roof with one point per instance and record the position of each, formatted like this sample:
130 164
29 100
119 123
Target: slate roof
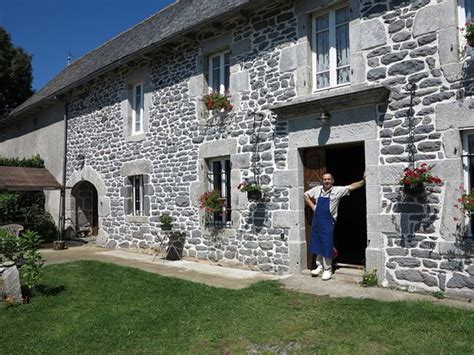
170 22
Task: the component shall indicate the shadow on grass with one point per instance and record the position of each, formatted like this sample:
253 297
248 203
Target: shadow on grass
41 290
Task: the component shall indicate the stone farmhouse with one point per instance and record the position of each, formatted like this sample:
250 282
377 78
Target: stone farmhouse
316 85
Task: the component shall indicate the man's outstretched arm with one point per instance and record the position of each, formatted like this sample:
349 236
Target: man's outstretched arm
358 184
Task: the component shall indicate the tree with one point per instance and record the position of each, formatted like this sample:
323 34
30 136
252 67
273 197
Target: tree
15 74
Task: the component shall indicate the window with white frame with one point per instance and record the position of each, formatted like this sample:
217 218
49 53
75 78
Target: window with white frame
137 195
468 165
465 14
219 72
137 109
331 56
219 180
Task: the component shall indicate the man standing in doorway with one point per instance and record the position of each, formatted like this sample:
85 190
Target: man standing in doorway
324 201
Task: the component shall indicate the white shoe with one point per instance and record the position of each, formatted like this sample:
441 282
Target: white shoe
317 271
327 274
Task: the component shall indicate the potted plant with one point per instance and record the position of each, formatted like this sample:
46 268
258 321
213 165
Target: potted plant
253 190
212 201
466 202
217 101
166 221
415 179
469 33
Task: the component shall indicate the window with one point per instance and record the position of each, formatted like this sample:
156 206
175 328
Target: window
468 164
219 72
137 109
465 14
137 195
331 56
219 180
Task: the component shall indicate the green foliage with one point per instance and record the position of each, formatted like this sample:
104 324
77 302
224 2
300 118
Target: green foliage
211 201
34 162
15 74
27 207
9 207
9 246
40 221
166 219
30 271
438 294
24 251
370 279
251 187
217 101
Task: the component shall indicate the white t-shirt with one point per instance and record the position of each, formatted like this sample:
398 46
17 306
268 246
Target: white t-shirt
335 194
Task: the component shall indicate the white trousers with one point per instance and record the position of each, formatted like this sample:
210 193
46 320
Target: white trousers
326 262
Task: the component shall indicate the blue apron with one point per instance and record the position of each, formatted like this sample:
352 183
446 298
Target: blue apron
322 229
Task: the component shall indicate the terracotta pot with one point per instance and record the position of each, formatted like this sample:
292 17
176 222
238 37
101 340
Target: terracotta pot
414 190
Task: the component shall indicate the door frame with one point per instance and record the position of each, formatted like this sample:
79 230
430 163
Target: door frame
348 126
320 153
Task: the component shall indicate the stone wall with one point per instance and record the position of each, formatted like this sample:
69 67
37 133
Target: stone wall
176 133
419 44
392 43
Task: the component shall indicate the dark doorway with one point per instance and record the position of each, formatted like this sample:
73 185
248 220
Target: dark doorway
347 164
86 208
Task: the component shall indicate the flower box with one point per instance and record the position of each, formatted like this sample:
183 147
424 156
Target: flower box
215 101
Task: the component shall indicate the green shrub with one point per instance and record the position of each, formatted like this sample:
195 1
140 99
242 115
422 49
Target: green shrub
30 271
9 207
24 251
37 219
370 279
34 162
9 246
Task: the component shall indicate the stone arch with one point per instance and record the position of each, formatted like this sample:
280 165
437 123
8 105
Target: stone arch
88 174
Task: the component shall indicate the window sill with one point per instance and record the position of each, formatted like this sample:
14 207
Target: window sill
347 96
136 137
136 219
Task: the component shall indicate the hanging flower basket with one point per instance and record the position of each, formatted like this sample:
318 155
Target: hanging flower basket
414 190
470 39
469 33
414 180
254 195
253 190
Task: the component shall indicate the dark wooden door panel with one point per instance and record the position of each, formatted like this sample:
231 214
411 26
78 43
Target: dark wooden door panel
314 162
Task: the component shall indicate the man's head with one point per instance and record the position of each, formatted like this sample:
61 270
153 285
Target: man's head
328 180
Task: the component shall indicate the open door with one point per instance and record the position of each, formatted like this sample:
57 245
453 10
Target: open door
314 161
347 164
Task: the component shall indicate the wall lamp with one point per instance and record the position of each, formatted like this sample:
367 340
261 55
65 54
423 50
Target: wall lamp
324 117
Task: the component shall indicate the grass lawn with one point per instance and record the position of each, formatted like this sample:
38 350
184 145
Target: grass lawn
93 307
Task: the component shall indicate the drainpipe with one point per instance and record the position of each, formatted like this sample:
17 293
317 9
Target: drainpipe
60 244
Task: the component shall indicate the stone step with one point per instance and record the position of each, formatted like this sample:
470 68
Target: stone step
348 274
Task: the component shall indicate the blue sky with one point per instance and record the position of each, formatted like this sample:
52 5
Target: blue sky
48 29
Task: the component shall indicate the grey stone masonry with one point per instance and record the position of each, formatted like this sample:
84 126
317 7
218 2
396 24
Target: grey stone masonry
272 89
